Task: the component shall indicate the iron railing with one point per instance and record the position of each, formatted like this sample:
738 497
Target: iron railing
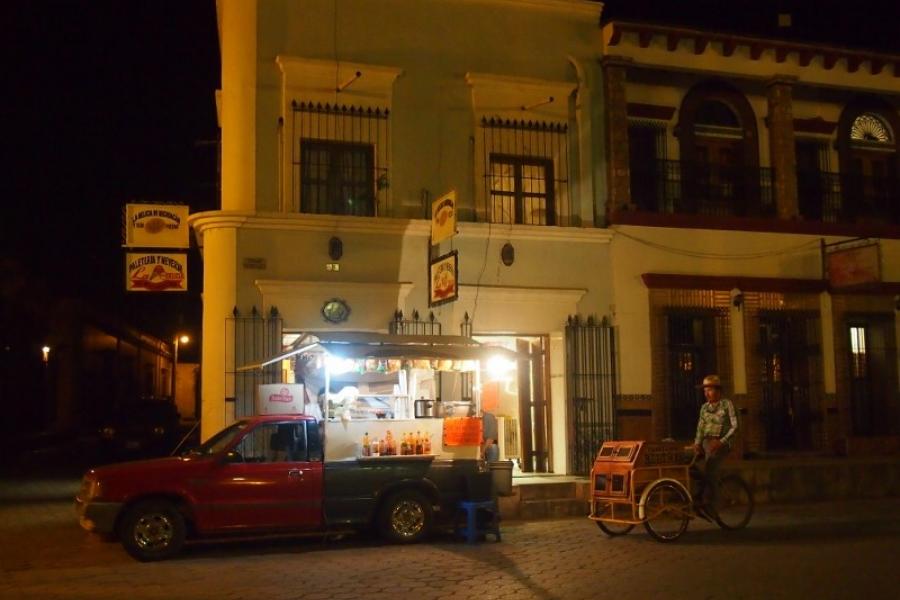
255 337
678 187
841 198
591 386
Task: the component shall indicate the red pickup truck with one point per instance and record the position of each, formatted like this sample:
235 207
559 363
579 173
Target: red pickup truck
268 474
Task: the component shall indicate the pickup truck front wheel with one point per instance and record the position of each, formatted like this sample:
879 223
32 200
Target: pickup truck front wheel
152 530
405 517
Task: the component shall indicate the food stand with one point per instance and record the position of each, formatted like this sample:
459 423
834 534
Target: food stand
372 388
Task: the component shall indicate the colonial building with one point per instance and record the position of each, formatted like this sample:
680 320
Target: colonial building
638 206
341 122
742 173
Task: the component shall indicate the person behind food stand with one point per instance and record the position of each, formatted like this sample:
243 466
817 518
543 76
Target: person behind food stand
489 448
717 425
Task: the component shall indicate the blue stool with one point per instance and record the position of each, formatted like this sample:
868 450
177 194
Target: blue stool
471 531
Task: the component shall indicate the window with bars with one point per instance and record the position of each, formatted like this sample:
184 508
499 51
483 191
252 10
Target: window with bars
521 190
340 160
525 167
337 178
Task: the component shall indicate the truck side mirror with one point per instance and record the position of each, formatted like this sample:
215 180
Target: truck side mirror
232 456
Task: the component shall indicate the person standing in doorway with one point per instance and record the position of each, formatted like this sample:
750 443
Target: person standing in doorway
489 448
716 428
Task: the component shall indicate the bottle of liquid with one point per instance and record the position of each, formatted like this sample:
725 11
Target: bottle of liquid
382 447
420 448
426 444
366 445
404 445
373 451
390 446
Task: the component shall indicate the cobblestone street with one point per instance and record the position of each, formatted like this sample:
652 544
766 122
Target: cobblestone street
835 550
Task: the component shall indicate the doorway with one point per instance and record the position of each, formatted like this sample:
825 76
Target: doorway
690 355
789 350
873 374
520 399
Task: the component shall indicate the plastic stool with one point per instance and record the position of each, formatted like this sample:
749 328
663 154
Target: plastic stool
471 530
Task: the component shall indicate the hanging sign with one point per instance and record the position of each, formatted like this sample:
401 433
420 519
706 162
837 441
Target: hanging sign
855 266
443 284
156 226
152 272
462 431
280 399
443 217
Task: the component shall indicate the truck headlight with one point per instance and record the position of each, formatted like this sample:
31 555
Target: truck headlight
90 489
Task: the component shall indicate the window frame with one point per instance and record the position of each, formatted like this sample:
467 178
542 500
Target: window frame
335 183
519 195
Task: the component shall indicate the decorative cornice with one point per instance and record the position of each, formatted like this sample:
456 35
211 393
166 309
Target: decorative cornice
314 289
640 110
581 8
336 224
699 42
724 282
815 125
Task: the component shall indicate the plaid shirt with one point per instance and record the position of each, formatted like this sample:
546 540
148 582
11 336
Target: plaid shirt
717 420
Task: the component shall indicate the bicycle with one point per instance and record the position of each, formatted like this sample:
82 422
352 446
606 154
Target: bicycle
650 483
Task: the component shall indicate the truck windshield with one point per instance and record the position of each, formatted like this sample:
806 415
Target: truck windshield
222 439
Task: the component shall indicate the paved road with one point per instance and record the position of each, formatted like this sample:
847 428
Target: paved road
846 550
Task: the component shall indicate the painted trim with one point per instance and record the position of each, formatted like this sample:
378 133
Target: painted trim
337 224
581 8
773 225
724 282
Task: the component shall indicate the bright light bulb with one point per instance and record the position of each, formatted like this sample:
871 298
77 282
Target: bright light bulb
498 368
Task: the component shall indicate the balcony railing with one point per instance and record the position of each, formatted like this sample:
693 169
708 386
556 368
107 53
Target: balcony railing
837 198
676 187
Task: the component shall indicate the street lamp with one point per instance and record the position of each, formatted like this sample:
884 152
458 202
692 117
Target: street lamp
179 339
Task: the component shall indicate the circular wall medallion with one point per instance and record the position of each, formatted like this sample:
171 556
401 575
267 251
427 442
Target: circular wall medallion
335 310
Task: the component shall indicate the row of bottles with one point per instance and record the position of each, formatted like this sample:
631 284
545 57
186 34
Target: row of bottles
410 445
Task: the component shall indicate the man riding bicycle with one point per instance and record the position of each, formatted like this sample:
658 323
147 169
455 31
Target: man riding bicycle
716 428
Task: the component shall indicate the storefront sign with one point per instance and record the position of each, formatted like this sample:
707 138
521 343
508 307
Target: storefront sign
443 218
856 266
280 399
443 285
156 226
462 431
152 272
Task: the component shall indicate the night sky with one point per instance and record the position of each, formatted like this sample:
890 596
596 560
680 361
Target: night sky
113 101
107 102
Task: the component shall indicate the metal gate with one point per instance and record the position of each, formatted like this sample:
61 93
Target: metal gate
791 377
255 338
591 387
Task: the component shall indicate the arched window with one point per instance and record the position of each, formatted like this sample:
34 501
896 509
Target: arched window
715 113
869 128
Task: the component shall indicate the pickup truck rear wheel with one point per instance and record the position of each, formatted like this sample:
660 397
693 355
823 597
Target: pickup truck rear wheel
405 517
152 530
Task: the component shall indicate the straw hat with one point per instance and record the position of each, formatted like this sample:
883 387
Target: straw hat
711 381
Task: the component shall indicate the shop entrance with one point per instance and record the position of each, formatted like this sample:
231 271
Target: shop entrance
873 375
520 399
789 349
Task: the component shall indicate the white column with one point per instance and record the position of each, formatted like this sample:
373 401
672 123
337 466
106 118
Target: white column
827 320
237 40
219 299
738 353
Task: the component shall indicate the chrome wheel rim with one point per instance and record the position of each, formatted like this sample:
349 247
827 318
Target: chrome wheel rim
407 518
153 531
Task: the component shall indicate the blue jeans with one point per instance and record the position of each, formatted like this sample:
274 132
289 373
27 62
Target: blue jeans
492 453
711 472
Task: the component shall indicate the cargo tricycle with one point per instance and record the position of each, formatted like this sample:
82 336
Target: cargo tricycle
659 485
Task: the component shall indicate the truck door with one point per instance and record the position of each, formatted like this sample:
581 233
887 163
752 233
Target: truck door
272 481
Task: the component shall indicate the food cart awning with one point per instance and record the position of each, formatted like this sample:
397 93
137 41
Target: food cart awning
354 344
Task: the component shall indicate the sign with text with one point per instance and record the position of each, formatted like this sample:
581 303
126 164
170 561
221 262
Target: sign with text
462 431
156 226
280 399
443 284
856 266
153 272
443 217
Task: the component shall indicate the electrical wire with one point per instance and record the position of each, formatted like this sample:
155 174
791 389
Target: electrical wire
726 256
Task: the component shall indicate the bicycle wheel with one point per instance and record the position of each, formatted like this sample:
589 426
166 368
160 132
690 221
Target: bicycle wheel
735 505
666 512
614 529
